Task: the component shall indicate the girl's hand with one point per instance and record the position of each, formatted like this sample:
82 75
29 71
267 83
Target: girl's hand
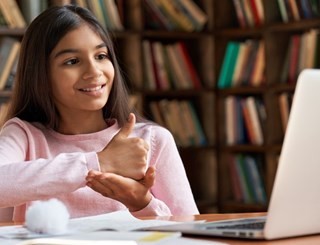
135 195
125 156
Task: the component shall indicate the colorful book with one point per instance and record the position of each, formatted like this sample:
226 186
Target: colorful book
228 65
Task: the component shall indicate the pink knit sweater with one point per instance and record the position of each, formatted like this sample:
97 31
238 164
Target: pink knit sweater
38 163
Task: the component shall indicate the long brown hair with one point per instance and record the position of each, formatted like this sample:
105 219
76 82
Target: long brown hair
32 98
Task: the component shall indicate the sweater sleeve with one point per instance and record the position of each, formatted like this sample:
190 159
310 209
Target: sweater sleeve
172 193
25 179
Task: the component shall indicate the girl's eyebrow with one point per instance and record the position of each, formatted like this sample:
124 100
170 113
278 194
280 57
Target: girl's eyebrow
71 50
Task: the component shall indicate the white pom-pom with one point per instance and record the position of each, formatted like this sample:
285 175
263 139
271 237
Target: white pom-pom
48 217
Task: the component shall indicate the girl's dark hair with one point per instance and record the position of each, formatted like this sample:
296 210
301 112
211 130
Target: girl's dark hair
32 96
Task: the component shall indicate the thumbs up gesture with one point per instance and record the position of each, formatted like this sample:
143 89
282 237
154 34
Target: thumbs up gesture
123 155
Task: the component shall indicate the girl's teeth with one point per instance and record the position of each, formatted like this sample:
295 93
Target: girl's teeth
91 89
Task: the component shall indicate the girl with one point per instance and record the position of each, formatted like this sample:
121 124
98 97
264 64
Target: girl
70 134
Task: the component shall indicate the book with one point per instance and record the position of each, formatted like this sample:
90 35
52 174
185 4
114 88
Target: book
7 15
155 13
156 113
260 10
30 9
9 49
294 10
306 9
240 13
11 77
283 10
255 14
235 179
104 15
244 181
294 59
248 121
197 16
112 11
170 124
4 109
243 58
241 130
310 48
172 11
315 7
284 107
284 77
97 8
257 74
236 77
195 78
289 10
248 13
228 65
149 76
159 65
189 124
177 69
174 81
12 11
258 138
201 137
181 57
250 62
255 179
230 120
176 118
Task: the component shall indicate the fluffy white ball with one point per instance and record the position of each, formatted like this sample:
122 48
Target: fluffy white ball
48 217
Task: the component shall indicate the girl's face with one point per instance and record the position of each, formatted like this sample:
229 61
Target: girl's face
81 73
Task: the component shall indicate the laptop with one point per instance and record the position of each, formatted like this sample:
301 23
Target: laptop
294 207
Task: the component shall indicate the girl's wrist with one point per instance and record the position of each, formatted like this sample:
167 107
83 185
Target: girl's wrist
142 204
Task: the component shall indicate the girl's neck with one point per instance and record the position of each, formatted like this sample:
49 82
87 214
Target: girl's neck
83 125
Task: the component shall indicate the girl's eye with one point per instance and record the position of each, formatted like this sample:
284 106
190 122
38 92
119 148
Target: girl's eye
102 56
72 62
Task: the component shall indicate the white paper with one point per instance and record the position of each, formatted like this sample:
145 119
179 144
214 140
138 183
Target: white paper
118 226
116 221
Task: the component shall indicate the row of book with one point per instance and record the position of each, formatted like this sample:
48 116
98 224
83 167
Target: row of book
181 119
303 52
168 66
108 12
182 15
247 182
250 13
245 119
295 10
9 53
12 15
285 102
243 64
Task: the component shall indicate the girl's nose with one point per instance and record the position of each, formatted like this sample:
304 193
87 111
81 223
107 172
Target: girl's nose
92 70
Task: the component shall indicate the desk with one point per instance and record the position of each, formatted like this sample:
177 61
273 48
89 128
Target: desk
314 239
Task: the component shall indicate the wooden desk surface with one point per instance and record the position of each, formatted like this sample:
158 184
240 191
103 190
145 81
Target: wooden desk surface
306 240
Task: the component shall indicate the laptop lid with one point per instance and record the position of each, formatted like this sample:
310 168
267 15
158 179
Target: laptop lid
294 207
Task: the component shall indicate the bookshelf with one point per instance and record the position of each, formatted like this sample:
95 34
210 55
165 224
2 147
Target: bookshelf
276 32
208 163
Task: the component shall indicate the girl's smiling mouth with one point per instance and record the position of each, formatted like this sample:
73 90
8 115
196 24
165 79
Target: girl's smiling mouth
93 89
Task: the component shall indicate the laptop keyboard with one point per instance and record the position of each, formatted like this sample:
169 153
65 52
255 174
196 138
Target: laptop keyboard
245 226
